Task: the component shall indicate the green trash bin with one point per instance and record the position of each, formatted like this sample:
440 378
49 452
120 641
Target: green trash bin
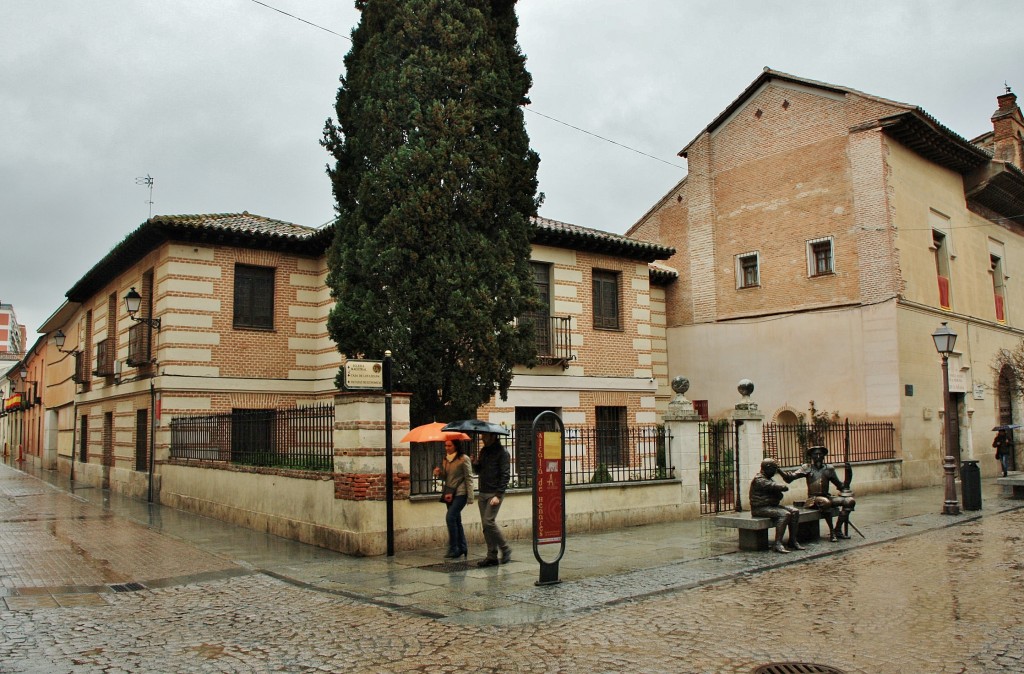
970 484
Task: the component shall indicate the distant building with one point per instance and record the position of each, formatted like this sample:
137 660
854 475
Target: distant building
12 333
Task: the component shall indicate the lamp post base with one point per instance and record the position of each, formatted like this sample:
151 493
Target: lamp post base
950 506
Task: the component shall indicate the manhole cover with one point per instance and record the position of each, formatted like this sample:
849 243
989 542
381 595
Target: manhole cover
448 567
128 587
796 668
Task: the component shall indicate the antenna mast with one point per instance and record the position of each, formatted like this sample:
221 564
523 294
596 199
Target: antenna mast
147 180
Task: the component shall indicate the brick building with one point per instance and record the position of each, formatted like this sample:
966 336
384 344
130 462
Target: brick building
232 316
821 235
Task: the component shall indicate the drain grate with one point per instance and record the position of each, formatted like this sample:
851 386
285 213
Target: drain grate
448 567
128 587
796 668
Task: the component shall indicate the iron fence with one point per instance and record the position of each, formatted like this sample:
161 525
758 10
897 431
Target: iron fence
592 456
300 438
717 472
858 441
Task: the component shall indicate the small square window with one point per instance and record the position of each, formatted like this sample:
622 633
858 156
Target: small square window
748 270
820 260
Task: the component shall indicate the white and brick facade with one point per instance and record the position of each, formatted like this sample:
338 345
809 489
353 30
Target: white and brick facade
793 162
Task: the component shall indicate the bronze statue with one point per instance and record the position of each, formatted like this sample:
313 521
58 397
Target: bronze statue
765 498
819 475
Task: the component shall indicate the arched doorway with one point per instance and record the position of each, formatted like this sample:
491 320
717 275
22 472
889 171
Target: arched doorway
1005 392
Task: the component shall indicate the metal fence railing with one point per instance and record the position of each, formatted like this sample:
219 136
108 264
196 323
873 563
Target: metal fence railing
717 466
300 438
857 441
592 456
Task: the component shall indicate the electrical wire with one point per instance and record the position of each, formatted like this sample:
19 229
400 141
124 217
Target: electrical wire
996 221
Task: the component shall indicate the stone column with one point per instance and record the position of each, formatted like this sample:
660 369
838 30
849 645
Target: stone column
683 425
750 444
359 446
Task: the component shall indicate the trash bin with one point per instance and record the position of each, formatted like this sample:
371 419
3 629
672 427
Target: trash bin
970 482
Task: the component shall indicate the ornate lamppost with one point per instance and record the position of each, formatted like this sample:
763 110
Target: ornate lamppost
944 339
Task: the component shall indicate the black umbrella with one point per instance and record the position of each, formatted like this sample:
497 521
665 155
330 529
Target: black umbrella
1008 427
475 426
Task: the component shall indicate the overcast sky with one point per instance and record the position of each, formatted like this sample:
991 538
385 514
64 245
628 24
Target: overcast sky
223 103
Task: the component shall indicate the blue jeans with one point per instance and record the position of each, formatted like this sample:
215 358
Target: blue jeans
456 534
1005 460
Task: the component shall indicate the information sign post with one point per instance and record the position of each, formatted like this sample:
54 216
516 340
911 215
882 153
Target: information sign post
548 495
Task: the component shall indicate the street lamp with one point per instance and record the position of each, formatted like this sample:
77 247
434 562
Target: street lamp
944 339
59 338
132 302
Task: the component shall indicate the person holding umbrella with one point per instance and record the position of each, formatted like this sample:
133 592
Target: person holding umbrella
493 472
457 490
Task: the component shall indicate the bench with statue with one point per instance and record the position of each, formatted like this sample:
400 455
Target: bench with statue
802 519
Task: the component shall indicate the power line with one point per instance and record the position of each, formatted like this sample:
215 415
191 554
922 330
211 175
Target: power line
991 222
535 112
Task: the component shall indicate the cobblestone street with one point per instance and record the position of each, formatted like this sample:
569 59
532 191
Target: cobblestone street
940 600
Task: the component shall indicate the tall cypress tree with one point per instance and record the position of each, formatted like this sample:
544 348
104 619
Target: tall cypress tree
435 183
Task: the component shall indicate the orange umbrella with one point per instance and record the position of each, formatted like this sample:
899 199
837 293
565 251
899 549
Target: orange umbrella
432 433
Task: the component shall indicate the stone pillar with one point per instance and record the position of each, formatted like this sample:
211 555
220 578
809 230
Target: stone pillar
750 443
360 442
683 425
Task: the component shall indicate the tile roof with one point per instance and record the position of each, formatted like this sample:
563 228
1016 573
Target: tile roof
563 234
246 230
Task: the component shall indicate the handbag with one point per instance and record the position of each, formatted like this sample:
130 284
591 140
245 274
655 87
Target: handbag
447 494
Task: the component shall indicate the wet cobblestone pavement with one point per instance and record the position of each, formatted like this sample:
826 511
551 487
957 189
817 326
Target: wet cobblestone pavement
923 593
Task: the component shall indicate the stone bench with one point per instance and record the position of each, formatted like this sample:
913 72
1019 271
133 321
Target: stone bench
753 531
1015 482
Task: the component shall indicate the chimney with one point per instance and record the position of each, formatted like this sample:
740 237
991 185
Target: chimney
1008 130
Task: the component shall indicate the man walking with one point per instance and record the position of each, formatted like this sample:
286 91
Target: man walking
493 472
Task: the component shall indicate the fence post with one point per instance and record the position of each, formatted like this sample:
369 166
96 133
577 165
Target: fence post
749 438
360 470
682 422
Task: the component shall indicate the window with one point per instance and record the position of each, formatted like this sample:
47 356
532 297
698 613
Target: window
940 249
141 440
819 257
138 344
606 300
998 279
104 359
748 271
611 436
540 318
254 297
83 441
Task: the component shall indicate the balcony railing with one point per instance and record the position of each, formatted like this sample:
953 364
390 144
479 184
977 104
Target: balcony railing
104 359
138 344
553 336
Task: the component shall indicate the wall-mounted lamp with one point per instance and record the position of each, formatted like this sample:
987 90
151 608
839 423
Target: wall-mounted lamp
24 378
132 302
58 340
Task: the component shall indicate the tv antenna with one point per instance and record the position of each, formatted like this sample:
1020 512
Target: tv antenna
147 180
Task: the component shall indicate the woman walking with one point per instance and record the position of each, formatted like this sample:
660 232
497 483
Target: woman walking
458 488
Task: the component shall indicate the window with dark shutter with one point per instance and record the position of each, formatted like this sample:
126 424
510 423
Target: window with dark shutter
254 297
606 300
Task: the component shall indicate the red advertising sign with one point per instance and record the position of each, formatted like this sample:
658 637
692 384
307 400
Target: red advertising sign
548 516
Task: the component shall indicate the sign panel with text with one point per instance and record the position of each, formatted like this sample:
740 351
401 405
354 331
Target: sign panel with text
548 435
550 459
364 375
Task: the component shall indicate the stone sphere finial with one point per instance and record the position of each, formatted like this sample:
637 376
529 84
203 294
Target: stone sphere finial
745 387
680 384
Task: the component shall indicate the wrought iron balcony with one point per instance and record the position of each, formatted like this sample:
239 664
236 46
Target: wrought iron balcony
553 336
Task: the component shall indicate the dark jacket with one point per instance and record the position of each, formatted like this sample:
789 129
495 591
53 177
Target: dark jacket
492 469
